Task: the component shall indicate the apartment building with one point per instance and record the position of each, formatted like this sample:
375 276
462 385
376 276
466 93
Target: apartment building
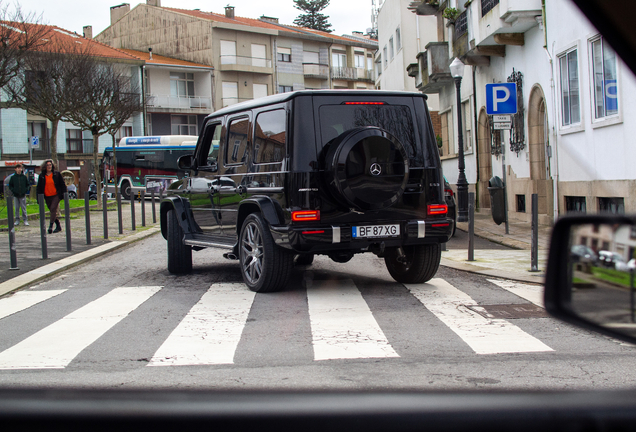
572 98
251 57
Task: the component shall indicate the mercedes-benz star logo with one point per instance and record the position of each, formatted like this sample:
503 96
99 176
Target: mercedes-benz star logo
375 169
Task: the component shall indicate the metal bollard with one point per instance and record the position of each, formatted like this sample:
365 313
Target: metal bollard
67 221
105 212
45 252
143 210
132 211
119 218
154 214
12 246
471 226
87 217
534 246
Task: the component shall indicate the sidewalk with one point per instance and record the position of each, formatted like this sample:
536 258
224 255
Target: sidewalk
514 263
32 267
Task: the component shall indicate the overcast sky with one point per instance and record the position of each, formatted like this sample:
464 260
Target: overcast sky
345 16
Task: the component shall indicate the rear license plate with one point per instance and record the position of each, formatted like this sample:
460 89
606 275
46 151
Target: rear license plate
376 231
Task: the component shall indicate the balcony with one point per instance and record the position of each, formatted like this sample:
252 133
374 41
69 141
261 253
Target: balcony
344 73
503 22
433 67
246 64
169 102
316 70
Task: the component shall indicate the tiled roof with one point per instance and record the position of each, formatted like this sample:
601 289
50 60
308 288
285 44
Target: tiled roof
57 39
161 60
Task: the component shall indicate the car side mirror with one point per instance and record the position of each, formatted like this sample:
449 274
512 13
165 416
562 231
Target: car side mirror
185 162
591 274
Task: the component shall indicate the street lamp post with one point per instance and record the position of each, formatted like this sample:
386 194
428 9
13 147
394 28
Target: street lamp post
457 71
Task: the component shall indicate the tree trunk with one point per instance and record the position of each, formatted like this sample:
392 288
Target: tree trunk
96 170
54 124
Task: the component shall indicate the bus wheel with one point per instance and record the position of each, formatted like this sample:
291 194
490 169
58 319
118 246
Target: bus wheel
265 266
126 190
179 254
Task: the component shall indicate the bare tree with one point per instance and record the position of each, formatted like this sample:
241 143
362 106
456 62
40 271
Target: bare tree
46 85
20 34
106 89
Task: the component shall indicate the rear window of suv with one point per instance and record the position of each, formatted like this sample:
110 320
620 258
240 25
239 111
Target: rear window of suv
395 119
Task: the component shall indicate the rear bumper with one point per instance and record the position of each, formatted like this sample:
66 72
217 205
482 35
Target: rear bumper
326 238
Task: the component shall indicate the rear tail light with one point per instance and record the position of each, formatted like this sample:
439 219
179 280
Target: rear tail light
305 215
364 103
437 209
448 192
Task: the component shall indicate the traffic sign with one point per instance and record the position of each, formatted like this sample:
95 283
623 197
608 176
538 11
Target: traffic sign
35 141
501 98
502 126
501 119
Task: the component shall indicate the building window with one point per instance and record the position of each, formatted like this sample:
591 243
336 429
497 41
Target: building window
230 93
74 141
378 65
384 57
359 60
181 84
339 60
283 54
604 76
259 57
521 203
447 134
228 52
398 39
391 51
285 89
183 125
570 101
575 204
611 205
467 126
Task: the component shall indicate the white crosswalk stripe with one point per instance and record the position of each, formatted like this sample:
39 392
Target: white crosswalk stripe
211 331
56 345
483 335
532 293
23 300
342 324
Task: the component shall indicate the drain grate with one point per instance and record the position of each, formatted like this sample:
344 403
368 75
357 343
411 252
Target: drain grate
509 311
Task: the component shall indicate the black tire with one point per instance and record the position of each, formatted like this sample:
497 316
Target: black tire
72 195
304 259
126 190
179 254
265 267
419 264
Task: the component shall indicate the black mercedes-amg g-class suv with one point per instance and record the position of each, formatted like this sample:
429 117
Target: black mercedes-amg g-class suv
281 178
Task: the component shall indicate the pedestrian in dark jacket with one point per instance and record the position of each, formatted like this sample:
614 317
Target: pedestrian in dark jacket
19 187
51 184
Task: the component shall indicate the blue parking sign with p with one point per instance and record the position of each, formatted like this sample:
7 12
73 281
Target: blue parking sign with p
501 98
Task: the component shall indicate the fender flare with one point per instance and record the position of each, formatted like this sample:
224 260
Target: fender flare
179 205
270 209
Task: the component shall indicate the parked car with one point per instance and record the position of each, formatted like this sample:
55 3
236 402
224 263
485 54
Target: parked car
271 183
583 254
449 196
609 259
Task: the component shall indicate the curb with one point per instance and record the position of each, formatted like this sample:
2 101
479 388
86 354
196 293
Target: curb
537 279
64 264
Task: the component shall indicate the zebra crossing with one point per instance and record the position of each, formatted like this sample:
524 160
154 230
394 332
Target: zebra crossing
342 324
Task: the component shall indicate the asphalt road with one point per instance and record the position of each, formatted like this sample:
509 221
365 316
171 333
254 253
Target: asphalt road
124 322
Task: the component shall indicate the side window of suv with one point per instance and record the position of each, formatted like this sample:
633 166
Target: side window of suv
237 142
210 150
269 137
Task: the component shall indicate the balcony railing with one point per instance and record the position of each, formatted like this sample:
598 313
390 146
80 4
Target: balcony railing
487 5
316 70
246 61
169 101
461 25
344 73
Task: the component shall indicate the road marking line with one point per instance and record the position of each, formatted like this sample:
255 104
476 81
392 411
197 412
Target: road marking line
23 300
483 335
532 293
342 324
211 331
55 346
